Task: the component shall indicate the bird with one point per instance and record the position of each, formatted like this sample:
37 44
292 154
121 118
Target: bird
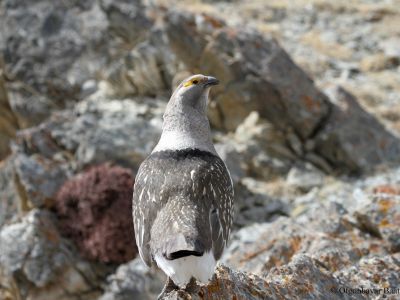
183 193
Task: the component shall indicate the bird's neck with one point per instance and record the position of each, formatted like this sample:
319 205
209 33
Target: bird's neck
185 128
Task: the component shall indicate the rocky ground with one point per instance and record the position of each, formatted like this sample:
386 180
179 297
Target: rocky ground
307 118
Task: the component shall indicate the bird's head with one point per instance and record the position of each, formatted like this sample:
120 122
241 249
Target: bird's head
193 93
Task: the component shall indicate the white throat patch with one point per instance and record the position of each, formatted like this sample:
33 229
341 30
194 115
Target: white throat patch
175 140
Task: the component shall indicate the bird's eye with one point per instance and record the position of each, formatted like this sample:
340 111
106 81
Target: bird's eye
195 81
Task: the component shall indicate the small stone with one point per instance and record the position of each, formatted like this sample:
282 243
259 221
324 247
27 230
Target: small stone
305 179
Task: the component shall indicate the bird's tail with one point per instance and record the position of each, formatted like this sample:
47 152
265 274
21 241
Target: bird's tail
180 234
181 246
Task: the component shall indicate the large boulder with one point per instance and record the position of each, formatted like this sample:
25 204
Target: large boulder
39 264
353 139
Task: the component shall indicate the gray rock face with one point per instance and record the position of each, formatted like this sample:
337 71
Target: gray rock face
304 178
118 130
44 44
9 204
39 178
33 247
133 281
363 141
8 121
148 69
253 204
41 263
127 19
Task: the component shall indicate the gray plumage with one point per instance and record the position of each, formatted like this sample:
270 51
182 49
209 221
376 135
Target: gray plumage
183 193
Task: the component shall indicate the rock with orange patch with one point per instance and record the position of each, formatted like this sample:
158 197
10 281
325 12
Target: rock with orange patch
303 278
375 272
387 189
381 216
325 232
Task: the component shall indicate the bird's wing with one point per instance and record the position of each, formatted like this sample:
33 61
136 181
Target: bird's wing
145 205
162 178
221 195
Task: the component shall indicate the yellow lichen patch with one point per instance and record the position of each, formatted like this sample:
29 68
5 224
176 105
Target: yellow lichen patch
384 223
385 205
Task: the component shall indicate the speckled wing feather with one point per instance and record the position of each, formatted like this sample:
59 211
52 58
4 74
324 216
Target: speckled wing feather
195 180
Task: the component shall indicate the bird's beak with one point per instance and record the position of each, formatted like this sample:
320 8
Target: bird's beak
211 81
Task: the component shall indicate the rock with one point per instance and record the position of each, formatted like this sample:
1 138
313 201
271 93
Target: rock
378 62
381 217
253 204
306 278
39 179
33 247
353 139
281 240
301 279
133 280
41 263
51 47
8 122
377 274
127 19
305 178
148 69
327 233
391 47
256 149
233 55
233 160
94 210
100 130
9 203
29 107
44 157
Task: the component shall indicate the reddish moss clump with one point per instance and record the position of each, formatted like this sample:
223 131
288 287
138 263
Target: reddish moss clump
95 210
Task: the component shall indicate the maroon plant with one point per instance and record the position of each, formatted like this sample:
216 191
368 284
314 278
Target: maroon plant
95 210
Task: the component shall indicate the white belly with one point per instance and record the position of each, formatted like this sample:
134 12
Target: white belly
181 270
